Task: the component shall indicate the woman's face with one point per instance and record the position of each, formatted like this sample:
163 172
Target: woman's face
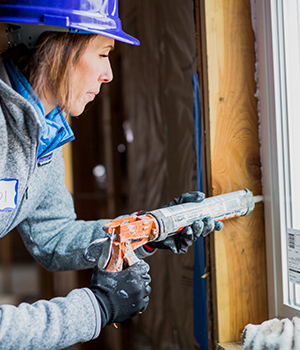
92 69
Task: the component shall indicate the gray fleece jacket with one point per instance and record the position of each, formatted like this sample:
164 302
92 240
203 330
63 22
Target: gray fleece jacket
33 198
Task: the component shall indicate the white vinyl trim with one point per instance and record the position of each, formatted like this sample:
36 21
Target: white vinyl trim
278 54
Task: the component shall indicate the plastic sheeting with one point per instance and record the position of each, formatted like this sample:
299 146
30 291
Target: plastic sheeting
200 288
162 164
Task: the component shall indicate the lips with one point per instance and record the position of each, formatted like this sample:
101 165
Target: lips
92 95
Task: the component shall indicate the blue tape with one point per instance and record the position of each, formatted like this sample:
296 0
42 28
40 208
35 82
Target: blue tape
199 293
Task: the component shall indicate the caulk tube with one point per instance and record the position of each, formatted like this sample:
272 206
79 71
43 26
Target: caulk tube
222 207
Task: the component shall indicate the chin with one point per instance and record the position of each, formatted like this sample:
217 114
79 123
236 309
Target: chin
75 112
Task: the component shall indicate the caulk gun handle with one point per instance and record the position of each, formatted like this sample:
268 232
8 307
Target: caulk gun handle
125 235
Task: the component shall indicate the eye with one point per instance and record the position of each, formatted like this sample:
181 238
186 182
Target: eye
103 56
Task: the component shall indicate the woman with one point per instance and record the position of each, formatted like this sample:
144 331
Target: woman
40 83
41 207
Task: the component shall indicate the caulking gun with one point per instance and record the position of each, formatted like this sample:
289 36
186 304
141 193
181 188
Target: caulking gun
128 233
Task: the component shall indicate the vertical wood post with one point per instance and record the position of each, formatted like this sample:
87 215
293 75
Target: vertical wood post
238 251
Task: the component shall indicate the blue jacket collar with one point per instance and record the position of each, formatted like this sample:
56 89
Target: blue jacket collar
55 129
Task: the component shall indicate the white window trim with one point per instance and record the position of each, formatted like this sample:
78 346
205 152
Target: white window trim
274 103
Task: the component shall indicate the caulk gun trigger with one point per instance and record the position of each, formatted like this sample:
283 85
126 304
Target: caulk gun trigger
88 252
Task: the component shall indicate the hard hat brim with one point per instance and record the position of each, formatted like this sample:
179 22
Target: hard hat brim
119 36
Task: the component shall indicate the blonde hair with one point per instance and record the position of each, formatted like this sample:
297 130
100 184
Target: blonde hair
48 65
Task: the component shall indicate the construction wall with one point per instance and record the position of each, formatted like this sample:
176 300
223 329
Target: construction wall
157 91
158 102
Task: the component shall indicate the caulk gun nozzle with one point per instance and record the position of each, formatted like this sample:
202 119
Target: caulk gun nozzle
258 199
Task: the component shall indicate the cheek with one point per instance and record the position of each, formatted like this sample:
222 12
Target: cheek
85 79
85 82
78 90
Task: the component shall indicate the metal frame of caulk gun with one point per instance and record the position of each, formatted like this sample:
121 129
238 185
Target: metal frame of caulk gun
129 233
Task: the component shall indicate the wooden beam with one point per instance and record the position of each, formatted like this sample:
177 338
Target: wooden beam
230 346
6 263
239 265
67 151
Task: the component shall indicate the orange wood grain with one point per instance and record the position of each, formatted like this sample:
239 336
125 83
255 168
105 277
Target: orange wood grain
67 151
229 346
239 249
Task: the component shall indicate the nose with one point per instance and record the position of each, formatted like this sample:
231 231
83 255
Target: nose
107 75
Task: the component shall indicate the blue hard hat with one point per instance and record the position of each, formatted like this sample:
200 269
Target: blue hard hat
82 16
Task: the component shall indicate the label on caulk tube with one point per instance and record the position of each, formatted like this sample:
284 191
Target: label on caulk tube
221 207
181 216
293 245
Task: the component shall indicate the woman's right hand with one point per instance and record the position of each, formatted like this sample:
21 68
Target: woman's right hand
123 294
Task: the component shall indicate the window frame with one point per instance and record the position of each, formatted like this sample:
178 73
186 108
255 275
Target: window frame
274 33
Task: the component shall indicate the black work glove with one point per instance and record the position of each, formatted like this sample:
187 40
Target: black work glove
123 294
181 241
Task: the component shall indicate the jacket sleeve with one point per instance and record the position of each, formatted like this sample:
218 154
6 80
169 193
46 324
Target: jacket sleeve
54 324
51 231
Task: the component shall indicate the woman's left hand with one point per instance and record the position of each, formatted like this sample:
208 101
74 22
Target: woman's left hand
181 241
